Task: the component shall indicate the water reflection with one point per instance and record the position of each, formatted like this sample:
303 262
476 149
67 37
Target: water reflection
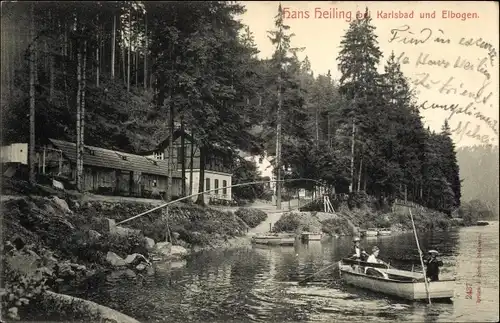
260 284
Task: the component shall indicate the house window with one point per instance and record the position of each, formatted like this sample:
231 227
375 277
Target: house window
207 184
216 184
224 189
158 156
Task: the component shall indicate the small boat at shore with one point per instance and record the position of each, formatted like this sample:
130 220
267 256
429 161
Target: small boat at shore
275 239
371 232
400 283
311 236
384 232
481 223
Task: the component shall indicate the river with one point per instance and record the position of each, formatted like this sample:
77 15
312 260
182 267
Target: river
260 284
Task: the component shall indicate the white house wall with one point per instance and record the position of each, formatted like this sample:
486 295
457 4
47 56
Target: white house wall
15 153
265 168
212 176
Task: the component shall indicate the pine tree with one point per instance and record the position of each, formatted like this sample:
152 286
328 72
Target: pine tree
359 83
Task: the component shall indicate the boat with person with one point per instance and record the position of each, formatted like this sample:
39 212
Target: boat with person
275 239
399 283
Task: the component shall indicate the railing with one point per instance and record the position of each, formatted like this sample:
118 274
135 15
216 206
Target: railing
213 190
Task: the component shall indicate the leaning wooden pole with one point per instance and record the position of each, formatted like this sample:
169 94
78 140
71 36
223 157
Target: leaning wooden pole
212 190
421 259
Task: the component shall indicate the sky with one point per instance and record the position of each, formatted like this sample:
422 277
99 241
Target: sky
448 50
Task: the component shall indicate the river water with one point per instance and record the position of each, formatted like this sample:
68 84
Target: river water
260 284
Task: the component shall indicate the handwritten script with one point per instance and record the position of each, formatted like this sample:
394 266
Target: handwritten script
474 101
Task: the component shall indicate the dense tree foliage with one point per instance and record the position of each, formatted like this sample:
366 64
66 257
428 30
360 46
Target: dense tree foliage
150 65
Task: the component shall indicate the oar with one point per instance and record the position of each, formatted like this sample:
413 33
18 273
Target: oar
307 279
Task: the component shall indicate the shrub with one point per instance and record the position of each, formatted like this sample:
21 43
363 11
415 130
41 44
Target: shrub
252 217
314 205
357 199
289 222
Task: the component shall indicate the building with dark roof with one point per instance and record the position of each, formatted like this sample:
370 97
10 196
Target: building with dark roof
217 167
108 171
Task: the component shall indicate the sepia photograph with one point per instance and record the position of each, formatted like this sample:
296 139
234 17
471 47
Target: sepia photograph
249 161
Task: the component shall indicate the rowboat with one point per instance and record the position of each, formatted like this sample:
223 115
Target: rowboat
371 232
384 232
276 239
311 236
400 283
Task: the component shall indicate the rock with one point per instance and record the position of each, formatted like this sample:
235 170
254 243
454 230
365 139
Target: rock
57 184
163 248
150 270
45 270
115 260
61 204
123 231
8 247
150 243
130 273
74 204
176 235
13 313
141 267
109 225
48 258
33 254
65 270
135 258
94 235
78 267
90 272
179 251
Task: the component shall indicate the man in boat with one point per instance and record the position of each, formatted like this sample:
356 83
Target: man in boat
358 252
433 264
374 260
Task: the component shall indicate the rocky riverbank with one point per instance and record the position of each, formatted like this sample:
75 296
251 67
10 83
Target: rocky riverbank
350 221
51 242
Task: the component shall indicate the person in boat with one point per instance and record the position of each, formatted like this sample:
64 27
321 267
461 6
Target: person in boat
358 252
433 264
373 258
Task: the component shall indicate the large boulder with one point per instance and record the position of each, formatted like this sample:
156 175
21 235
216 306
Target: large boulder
163 248
115 260
149 243
179 251
62 205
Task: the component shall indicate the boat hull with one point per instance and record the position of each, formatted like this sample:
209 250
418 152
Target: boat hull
411 287
274 241
371 233
384 233
308 236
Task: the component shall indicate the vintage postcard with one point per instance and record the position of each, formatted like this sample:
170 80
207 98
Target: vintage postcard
249 161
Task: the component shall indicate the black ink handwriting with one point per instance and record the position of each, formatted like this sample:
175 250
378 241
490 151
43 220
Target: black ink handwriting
464 129
452 86
424 59
398 35
479 42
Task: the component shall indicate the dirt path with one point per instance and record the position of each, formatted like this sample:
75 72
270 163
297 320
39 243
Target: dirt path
273 215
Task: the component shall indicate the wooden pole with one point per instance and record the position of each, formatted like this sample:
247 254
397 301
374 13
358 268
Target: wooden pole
43 159
420 254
